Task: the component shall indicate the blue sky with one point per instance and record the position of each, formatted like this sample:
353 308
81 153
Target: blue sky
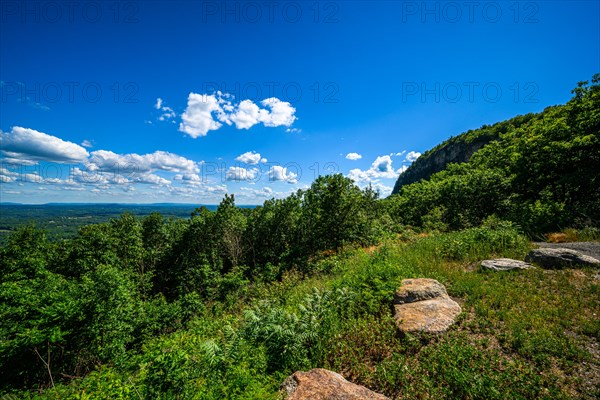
155 101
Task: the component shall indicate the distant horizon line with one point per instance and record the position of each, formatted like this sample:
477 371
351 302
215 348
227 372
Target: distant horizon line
8 203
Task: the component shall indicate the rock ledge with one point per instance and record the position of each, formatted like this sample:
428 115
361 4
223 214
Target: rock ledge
552 257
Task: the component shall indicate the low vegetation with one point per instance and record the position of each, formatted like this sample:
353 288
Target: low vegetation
522 335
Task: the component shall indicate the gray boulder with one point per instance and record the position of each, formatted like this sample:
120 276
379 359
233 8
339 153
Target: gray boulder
504 264
560 258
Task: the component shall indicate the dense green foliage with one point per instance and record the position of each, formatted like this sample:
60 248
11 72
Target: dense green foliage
542 173
70 306
227 303
521 335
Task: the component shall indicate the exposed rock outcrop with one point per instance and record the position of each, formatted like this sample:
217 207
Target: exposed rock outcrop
458 149
591 249
560 258
423 305
429 164
504 264
322 384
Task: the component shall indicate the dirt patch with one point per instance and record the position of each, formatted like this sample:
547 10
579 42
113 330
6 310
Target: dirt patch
557 237
371 249
578 278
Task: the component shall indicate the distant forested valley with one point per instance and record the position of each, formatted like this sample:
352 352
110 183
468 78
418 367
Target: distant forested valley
62 221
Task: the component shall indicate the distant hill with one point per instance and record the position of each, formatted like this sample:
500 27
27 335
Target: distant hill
457 149
63 220
540 171
111 204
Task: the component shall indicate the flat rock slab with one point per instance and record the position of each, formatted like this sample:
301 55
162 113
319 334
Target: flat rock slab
423 305
504 264
322 384
559 258
591 249
431 316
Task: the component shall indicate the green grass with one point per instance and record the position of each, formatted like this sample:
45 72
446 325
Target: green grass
521 335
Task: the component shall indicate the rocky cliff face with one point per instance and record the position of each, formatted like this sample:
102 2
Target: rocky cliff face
436 161
456 150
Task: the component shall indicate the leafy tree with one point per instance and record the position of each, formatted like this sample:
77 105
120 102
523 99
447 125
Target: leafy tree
25 254
229 225
273 236
128 243
193 263
94 246
38 316
107 318
336 212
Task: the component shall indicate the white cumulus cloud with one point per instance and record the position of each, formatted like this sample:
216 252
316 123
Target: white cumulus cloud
189 179
241 174
104 160
282 113
197 120
381 168
353 156
31 146
251 157
150 178
279 173
246 115
412 156
206 113
382 189
7 176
